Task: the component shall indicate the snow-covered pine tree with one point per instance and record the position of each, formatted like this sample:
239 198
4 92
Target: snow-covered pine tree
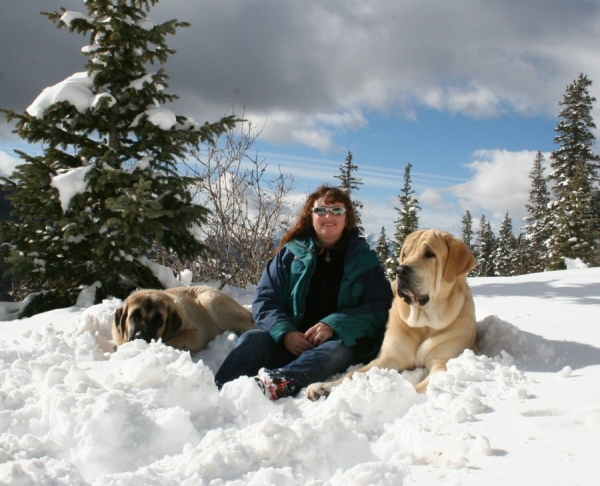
596 216
467 230
382 248
574 234
522 266
348 184
407 221
485 245
108 129
537 229
574 167
505 254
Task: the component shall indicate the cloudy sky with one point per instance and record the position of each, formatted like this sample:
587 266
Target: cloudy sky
467 91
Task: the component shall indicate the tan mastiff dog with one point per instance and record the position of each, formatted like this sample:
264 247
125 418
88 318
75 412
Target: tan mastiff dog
186 318
432 318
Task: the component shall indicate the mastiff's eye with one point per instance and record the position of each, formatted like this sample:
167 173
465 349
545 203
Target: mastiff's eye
429 254
157 320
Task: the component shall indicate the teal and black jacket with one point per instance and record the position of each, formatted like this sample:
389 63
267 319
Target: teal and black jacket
364 299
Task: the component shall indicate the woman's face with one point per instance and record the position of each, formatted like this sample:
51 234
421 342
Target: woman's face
328 227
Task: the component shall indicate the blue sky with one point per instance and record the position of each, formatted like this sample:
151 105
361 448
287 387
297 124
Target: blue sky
441 149
440 146
467 91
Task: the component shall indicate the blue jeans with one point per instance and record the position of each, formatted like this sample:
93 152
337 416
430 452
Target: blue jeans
256 349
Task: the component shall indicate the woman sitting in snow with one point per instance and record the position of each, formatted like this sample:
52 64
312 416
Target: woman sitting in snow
321 304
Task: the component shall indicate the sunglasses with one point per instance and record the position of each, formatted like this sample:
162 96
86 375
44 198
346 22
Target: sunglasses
323 211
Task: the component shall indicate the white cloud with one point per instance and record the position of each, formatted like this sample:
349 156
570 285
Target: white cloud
434 199
8 164
476 101
500 184
326 65
321 69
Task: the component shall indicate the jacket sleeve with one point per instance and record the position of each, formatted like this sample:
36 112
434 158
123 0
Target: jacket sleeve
269 305
366 314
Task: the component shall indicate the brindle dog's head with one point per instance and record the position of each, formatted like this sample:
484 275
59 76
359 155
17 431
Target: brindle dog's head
147 315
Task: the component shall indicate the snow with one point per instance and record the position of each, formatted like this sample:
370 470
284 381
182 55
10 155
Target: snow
138 84
163 274
524 410
70 183
69 16
161 117
76 90
145 24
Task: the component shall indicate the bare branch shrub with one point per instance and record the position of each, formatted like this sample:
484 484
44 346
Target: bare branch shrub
249 208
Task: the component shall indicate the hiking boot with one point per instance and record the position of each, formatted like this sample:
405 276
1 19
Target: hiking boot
274 386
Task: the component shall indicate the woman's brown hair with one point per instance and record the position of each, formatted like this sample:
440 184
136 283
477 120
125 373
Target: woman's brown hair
304 227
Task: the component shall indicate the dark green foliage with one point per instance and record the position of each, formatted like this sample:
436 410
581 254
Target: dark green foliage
574 224
348 184
485 246
595 209
134 198
575 167
382 249
467 230
534 248
505 253
407 221
575 135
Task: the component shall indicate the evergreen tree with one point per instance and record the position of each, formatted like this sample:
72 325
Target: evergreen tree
485 245
522 265
348 184
575 233
505 254
407 221
467 230
595 262
574 166
118 139
534 250
382 248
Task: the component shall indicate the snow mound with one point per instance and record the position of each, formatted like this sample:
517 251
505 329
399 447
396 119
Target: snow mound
82 410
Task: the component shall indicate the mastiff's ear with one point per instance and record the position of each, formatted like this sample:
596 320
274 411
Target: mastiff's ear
173 324
119 326
119 320
460 259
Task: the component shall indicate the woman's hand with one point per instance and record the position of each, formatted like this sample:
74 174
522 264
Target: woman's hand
319 333
296 343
